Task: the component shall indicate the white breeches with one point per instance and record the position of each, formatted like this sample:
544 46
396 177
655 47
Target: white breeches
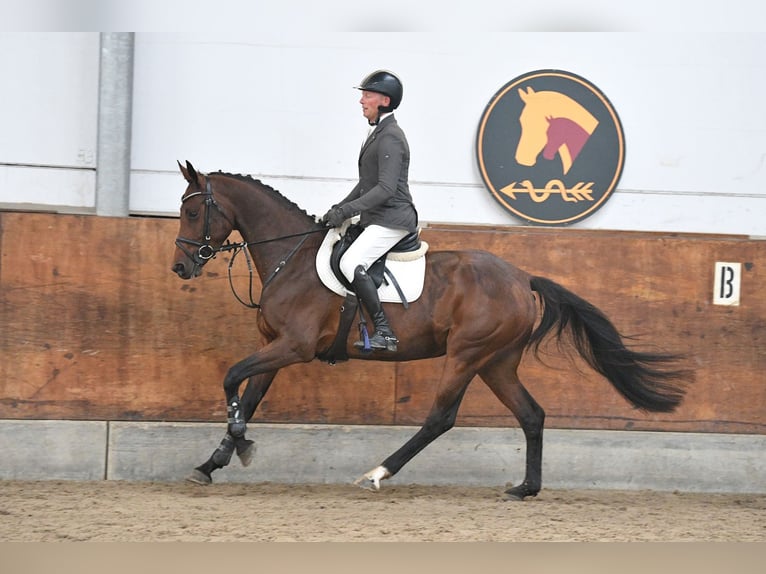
374 241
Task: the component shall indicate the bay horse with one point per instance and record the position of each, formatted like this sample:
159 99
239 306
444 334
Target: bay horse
476 310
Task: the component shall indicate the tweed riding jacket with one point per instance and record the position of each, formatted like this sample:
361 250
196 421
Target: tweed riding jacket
382 195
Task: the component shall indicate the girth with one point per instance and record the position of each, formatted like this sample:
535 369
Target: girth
338 351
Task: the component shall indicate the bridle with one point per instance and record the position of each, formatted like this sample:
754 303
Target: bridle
205 251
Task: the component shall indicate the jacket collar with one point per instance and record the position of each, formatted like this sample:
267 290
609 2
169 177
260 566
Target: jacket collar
386 120
382 118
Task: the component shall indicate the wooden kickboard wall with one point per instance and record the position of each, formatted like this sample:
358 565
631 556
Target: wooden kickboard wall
96 327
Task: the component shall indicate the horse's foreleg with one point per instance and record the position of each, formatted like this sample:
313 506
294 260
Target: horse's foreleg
502 379
440 419
254 392
245 449
220 458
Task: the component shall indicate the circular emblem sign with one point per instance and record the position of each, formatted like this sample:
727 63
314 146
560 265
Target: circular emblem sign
550 147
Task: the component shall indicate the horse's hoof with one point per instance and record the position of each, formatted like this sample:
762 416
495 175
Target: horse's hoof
199 477
511 497
367 483
371 480
518 493
246 451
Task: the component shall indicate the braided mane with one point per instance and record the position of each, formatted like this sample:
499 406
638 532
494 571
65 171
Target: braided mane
265 187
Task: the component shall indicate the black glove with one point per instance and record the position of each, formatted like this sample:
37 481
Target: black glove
335 217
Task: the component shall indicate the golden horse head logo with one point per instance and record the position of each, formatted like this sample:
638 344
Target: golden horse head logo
552 122
550 147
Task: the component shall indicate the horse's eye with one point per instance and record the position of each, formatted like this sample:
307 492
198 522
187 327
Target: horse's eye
192 213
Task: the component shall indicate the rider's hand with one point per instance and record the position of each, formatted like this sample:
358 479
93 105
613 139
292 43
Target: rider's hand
334 217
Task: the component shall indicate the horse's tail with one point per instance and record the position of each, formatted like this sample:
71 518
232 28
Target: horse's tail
644 379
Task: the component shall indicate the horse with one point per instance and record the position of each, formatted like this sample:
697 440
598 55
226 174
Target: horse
539 108
477 310
565 137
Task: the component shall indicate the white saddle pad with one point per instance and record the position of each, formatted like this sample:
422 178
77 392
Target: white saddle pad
408 268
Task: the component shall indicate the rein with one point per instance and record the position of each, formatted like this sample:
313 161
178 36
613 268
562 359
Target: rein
242 246
205 251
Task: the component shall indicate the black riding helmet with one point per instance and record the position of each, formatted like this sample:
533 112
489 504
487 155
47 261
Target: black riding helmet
386 83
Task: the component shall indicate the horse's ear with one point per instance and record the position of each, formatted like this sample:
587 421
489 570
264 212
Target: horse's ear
190 174
524 95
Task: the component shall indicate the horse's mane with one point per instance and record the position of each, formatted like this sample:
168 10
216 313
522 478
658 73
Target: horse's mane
265 187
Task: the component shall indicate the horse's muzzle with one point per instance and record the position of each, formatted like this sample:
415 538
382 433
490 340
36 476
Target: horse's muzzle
186 271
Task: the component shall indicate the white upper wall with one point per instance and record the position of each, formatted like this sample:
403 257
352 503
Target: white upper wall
282 107
48 118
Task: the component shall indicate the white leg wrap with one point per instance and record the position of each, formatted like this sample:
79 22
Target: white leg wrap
371 480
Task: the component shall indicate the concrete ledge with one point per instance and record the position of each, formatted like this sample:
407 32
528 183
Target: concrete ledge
338 454
52 450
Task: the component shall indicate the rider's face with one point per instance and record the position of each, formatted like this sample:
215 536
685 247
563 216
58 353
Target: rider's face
370 102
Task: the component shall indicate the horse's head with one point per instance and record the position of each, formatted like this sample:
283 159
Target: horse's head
204 225
534 125
552 122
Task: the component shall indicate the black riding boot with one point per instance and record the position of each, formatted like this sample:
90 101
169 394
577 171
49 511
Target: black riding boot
383 338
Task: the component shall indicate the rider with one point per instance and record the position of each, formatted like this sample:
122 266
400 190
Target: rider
381 197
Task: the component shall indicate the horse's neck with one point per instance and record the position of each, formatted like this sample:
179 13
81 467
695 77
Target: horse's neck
265 221
577 138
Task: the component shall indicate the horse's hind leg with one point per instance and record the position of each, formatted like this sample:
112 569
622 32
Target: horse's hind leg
440 419
502 379
254 391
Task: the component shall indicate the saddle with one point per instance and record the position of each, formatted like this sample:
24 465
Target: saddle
378 270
